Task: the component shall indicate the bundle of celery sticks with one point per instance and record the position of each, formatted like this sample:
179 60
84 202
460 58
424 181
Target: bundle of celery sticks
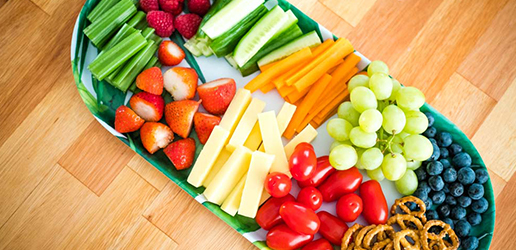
127 46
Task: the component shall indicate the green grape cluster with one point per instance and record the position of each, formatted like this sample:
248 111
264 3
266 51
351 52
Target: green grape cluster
379 129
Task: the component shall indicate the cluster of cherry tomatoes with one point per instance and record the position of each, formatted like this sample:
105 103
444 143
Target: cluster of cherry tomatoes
293 222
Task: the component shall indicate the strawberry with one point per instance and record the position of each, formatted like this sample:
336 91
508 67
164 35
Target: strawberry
170 54
155 135
204 124
148 106
174 7
126 120
151 81
179 116
199 7
181 83
216 95
162 22
149 5
187 24
181 153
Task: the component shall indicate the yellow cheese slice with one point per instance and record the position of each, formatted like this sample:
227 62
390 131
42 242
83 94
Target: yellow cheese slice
218 138
265 196
284 116
246 123
254 139
308 134
230 204
229 175
258 170
272 142
235 110
223 157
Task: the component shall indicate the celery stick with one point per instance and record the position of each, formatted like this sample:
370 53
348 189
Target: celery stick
158 64
101 7
134 66
139 17
123 33
151 63
107 24
155 38
147 32
103 65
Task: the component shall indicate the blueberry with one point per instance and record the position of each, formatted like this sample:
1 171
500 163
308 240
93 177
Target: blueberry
480 206
464 201
432 140
443 210
446 189
437 197
436 153
431 119
446 163
432 215
444 139
444 152
481 175
421 194
436 183
450 200
462 228
449 175
476 191
448 221
466 176
428 203
411 205
430 132
423 184
474 219
470 243
461 160
454 149
434 168
421 174
457 213
456 189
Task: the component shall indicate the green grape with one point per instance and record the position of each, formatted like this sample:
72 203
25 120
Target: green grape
371 158
339 129
411 164
362 139
410 98
417 147
359 164
348 113
394 166
343 157
395 87
376 174
403 134
396 145
417 122
382 105
381 85
337 143
358 80
370 120
377 67
393 119
363 99
408 183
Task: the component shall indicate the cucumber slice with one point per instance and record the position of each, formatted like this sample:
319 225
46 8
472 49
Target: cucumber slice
231 61
308 40
267 28
229 16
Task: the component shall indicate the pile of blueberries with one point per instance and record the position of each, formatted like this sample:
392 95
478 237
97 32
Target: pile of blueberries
451 187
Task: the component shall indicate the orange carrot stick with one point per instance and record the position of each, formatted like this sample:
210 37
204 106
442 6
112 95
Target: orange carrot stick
267 87
297 95
286 90
322 47
280 68
267 66
334 103
338 88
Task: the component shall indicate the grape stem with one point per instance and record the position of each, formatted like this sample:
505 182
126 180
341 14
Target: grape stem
388 143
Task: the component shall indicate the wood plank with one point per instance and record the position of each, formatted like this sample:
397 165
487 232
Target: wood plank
505 213
36 145
96 158
497 182
442 44
2 2
490 66
48 6
495 139
147 236
463 103
148 172
324 16
349 10
389 27
168 211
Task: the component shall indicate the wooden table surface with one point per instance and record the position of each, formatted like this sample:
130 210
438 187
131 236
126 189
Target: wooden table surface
65 182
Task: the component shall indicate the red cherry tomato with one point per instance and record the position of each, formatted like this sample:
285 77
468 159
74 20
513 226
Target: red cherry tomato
278 184
323 170
268 215
340 183
299 218
320 244
303 162
349 207
282 237
310 197
375 205
332 228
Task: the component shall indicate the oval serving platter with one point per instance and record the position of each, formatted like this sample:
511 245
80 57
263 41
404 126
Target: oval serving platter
102 100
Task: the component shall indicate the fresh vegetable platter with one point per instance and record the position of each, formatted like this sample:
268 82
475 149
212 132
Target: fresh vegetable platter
115 65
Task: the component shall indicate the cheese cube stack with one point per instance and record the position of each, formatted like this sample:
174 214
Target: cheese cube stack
272 142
